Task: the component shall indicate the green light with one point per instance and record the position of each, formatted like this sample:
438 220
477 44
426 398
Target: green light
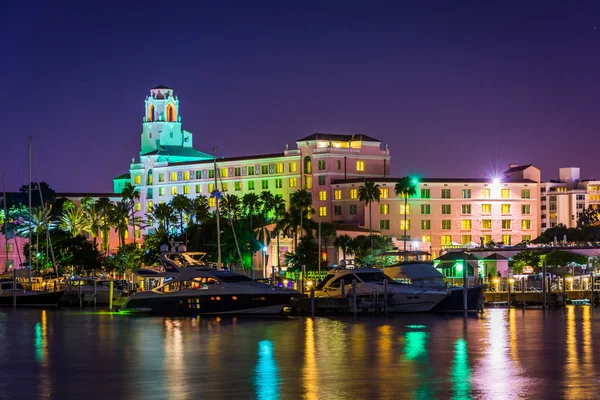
39 342
461 373
415 326
459 266
415 345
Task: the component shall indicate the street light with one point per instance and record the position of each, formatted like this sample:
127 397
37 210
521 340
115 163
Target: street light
264 249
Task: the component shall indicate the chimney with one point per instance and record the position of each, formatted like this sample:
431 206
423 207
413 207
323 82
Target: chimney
512 165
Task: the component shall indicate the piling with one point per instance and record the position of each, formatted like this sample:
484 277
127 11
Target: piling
465 277
312 302
273 280
95 291
342 288
544 285
354 296
592 289
385 295
110 296
303 279
564 289
509 292
80 298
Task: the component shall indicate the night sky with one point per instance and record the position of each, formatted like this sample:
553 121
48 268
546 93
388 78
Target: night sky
456 88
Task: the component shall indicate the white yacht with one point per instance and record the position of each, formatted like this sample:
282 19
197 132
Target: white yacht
369 282
87 287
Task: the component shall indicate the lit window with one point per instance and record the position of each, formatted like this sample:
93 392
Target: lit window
265 184
486 193
466 239
186 189
425 209
426 239
426 224
404 224
237 186
237 171
10 247
446 239
250 185
278 183
198 174
525 209
322 211
446 224
465 224
525 193
446 193
486 224
505 209
186 175
384 224
466 209
505 193
173 190
384 193
526 238
264 169
224 172
384 209
279 168
353 193
138 206
307 182
161 191
506 239
404 209
126 234
337 194
323 195
486 209
198 188
173 176
211 174
211 187
360 165
149 206
425 193
466 193
321 165
526 224
211 202
293 182
137 180
225 187
138 234
292 167
161 177
487 239
446 209
506 223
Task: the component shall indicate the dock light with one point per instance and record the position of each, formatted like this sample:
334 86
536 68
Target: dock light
495 280
309 283
585 278
285 282
569 278
511 280
265 249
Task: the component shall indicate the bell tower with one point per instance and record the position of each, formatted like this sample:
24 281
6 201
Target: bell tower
161 125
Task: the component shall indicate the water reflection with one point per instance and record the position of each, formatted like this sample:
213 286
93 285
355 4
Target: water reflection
461 373
174 370
579 379
41 355
266 374
310 370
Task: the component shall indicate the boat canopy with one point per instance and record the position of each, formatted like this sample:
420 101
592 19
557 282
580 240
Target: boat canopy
414 272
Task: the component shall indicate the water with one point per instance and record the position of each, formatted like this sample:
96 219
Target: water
58 354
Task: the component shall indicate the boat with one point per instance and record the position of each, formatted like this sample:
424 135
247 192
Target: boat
26 298
86 287
420 272
186 286
370 284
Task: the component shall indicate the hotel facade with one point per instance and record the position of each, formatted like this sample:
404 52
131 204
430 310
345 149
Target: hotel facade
332 167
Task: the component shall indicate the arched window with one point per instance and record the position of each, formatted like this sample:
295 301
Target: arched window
307 165
171 113
150 179
151 113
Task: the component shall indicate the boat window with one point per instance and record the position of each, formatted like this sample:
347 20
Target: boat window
191 285
7 286
207 280
234 278
322 284
169 287
377 277
347 280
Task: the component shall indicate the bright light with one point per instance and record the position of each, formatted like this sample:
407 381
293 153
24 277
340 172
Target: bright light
511 280
309 283
416 244
265 249
285 282
495 280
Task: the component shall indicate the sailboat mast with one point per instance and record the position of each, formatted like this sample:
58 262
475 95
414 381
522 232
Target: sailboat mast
216 191
30 226
5 225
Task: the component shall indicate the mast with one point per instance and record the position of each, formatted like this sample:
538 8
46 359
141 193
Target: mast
5 225
30 226
216 192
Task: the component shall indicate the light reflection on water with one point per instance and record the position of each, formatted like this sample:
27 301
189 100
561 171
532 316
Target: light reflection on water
505 354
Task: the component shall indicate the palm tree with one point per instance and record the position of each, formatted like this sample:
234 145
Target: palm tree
327 231
279 211
180 204
369 193
232 205
164 214
266 200
119 218
344 243
104 205
405 187
199 210
251 202
74 220
130 194
301 200
40 220
93 215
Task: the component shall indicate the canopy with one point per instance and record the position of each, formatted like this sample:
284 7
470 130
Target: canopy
413 271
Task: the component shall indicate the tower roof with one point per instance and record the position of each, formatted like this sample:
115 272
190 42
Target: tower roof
161 87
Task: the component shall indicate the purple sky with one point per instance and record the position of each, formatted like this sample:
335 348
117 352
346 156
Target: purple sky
457 89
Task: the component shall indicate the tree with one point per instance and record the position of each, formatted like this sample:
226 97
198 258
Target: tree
232 206
180 204
93 214
327 231
405 187
588 217
119 219
267 203
279 211
199 210
369 193
164 214
306 253
523 259
251 202
104 205
300 203
74 220
345 244
561 258
41 189
130 194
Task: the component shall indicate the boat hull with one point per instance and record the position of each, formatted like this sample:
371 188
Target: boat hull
403 303
454 302
32 299
207 304
71 298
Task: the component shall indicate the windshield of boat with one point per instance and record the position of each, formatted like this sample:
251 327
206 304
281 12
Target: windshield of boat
192 284
234 278
321 285
374 277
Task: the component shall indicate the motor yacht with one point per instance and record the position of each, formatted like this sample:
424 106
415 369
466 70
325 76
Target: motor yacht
87 287
369 283
26 298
